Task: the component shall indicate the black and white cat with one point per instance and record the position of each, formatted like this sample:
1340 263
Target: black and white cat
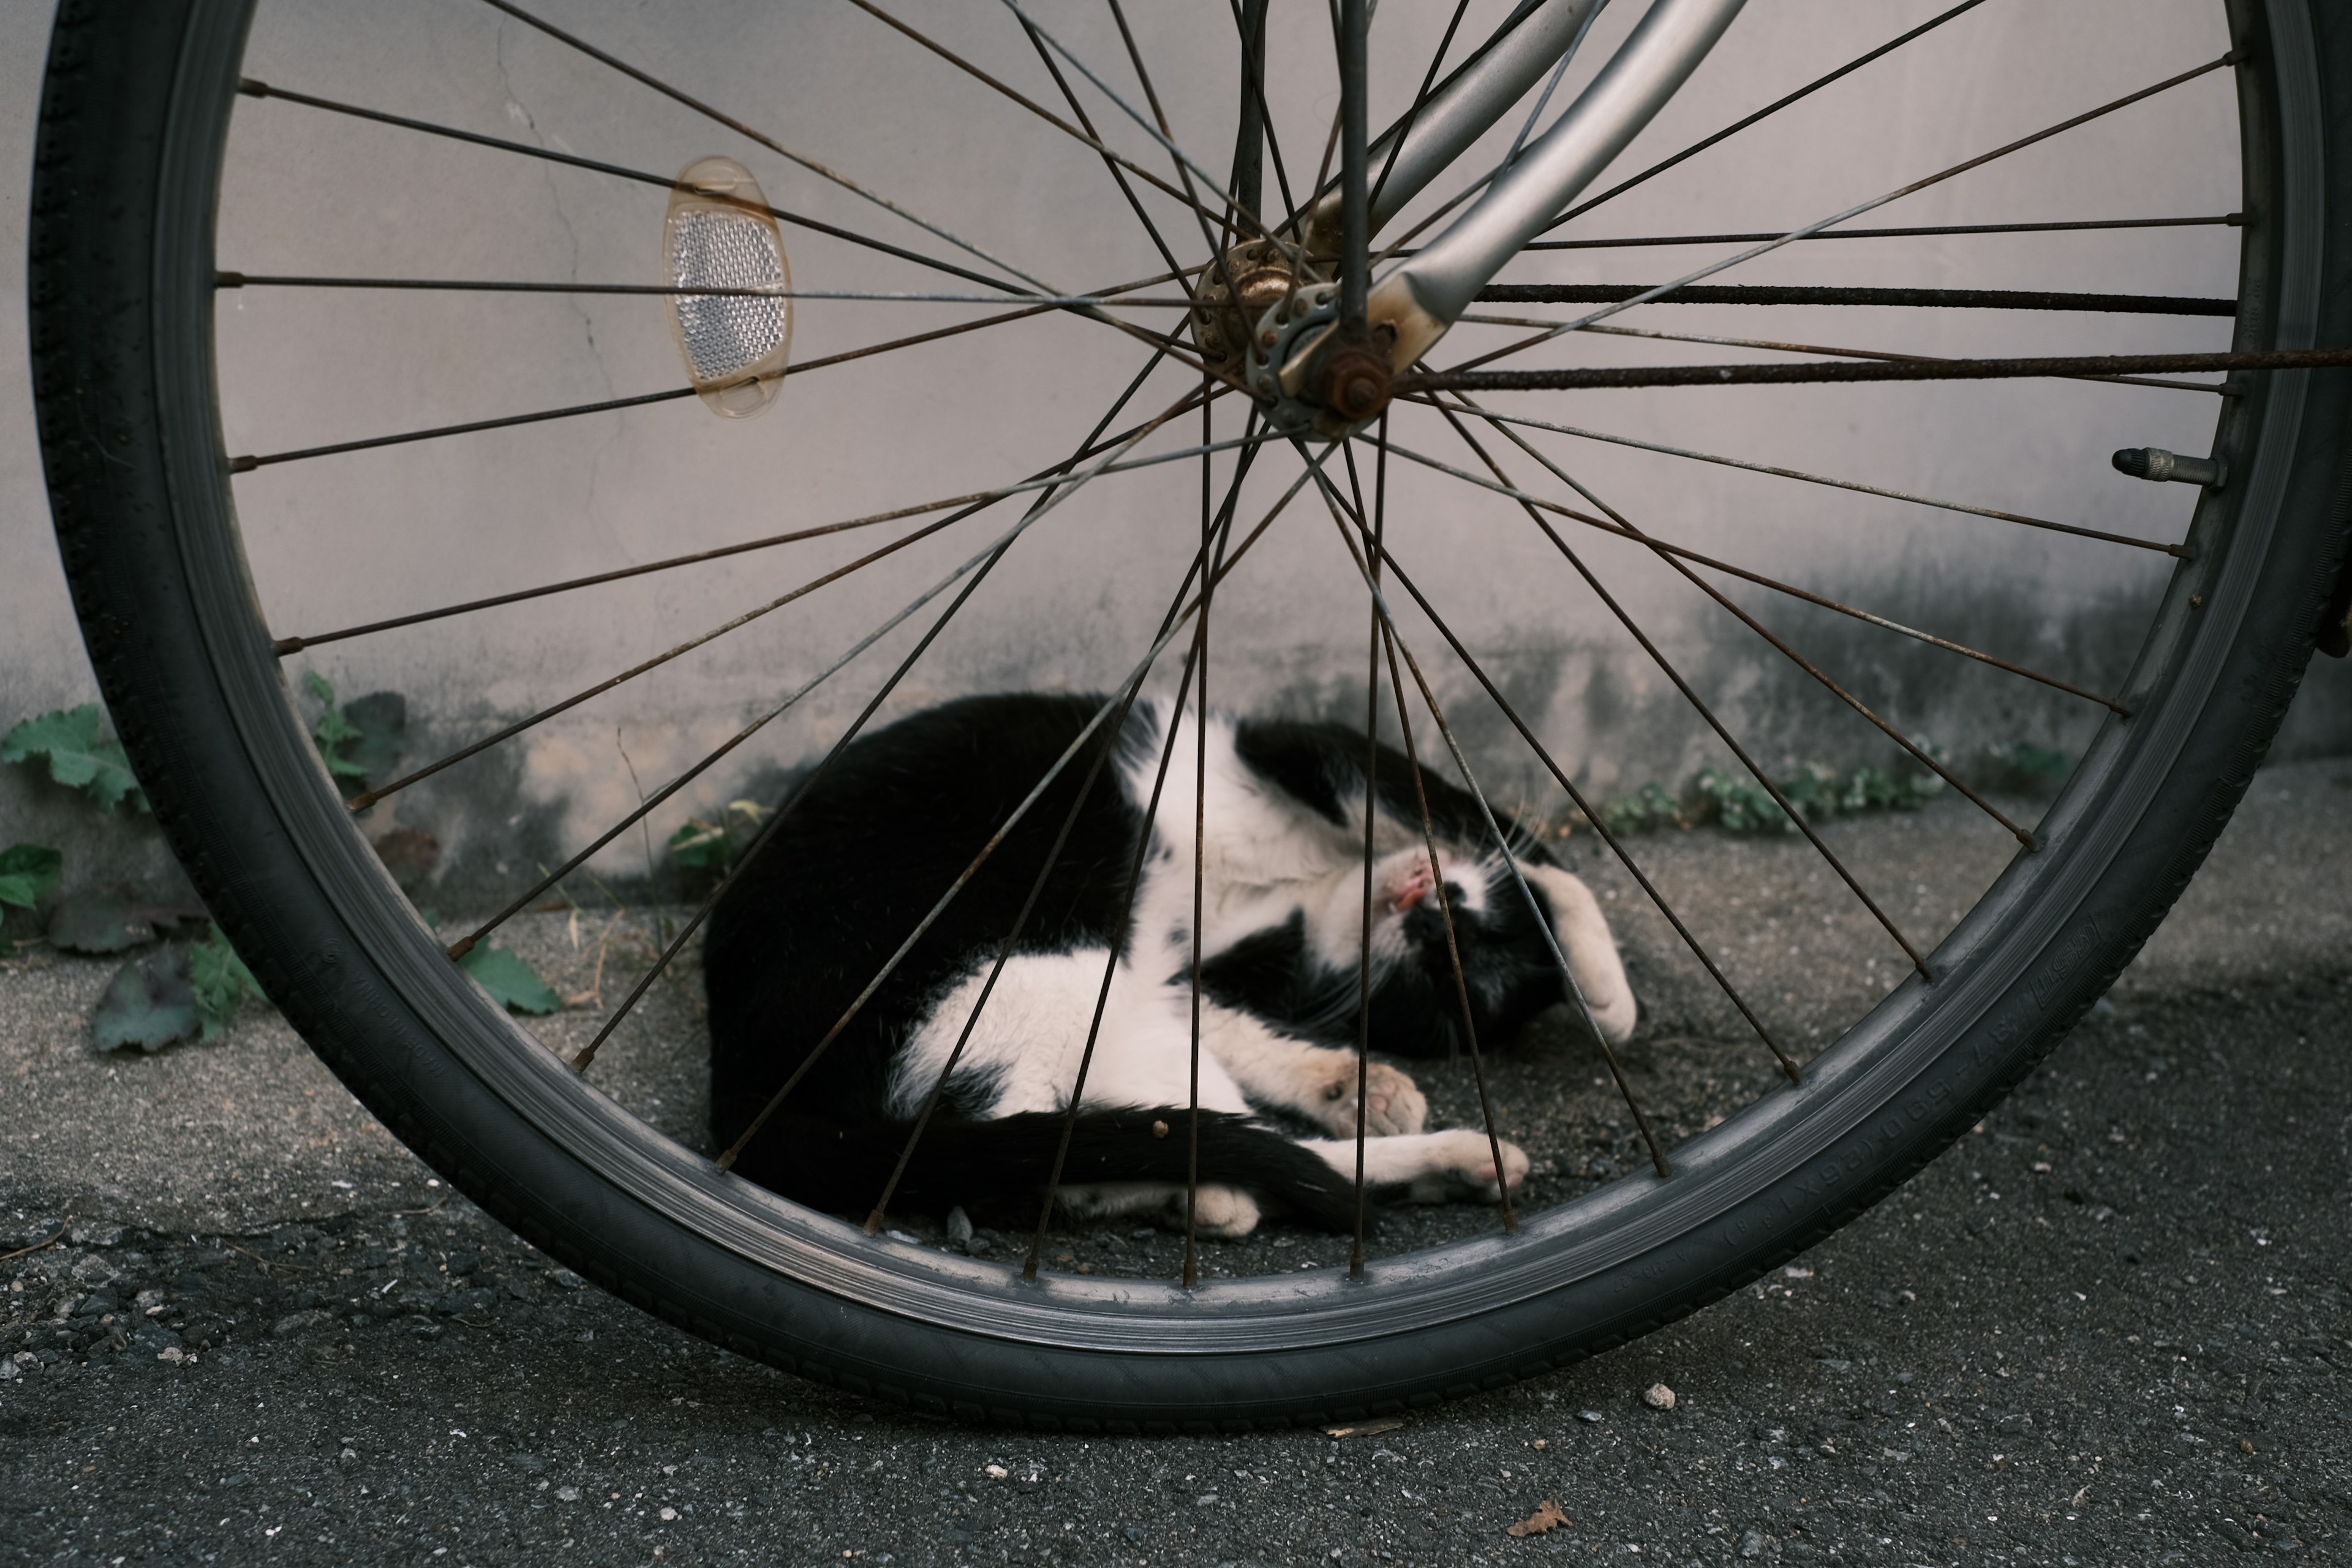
840 883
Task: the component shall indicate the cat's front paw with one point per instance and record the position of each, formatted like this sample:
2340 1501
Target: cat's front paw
1461 1166
1393 1104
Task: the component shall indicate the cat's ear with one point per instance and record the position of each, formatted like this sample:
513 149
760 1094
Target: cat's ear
1583 933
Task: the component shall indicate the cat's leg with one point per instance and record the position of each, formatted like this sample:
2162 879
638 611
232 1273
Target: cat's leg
1429 1167
1220 1212
1313 1081
1591 951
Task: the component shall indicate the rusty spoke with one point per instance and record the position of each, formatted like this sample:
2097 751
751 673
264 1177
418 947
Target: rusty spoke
1737 126
719 116
367 798
1884 622
974 500
1371 821
1493 827
253 89
875 1220
1185 164
1666 668
1086 136
665 291
678 945
1134 883
1117 174
1954 172
1917 752
1924 231
646 806
1964 508
963 880
2213 388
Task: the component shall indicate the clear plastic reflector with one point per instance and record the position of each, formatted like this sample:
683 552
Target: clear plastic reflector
718 236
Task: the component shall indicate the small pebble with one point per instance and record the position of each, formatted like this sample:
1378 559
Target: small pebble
1751 1543
1590 1416
1658 1397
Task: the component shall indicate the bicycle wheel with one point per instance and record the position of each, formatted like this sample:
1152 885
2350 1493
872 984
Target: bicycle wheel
174 543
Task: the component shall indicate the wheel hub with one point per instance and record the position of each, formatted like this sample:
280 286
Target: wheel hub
1257 312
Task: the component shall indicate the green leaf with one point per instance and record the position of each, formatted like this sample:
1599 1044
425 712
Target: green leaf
149 1004
1743 805
79 754
220 982
380 724
27 871
511 982
702 846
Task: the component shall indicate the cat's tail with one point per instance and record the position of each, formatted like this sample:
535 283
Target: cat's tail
1002 1164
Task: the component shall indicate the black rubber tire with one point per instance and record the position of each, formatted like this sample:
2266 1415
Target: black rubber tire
132 118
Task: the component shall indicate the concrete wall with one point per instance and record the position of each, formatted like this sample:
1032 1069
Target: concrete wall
352 538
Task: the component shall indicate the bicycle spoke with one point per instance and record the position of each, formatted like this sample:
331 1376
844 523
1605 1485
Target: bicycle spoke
971 870
1917 752
669 954
1249 17
1134 202
667 291
874 1220
1453 944
1215 243
1594 815
1494 827
1922 299
2217 389
1371 821
247 464
1134 883
1200 663
1042 479
1963 508
2226 220
1666 667
1420 101
253 89
2079 367
646 806
1745 575
1737 126
1663 290
369 797
717 116
1086 136
1184 160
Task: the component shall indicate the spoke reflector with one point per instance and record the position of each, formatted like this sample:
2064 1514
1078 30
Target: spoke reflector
718 236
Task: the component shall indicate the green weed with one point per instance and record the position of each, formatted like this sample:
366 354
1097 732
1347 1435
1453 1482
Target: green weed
702 845
359 740
79 754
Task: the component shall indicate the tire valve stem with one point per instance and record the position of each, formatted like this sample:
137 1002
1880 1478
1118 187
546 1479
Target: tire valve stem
2156 465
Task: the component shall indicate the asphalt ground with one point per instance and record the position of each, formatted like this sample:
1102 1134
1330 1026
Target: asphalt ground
2111 1327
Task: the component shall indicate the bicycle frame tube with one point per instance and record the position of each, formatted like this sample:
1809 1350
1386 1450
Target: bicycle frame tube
1464 111
1422 297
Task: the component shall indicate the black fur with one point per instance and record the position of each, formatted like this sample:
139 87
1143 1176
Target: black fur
866 847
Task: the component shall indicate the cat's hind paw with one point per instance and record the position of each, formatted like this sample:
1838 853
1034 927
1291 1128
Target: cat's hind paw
1223 1213
1460 1166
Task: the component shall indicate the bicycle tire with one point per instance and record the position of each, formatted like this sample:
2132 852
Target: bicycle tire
133 124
